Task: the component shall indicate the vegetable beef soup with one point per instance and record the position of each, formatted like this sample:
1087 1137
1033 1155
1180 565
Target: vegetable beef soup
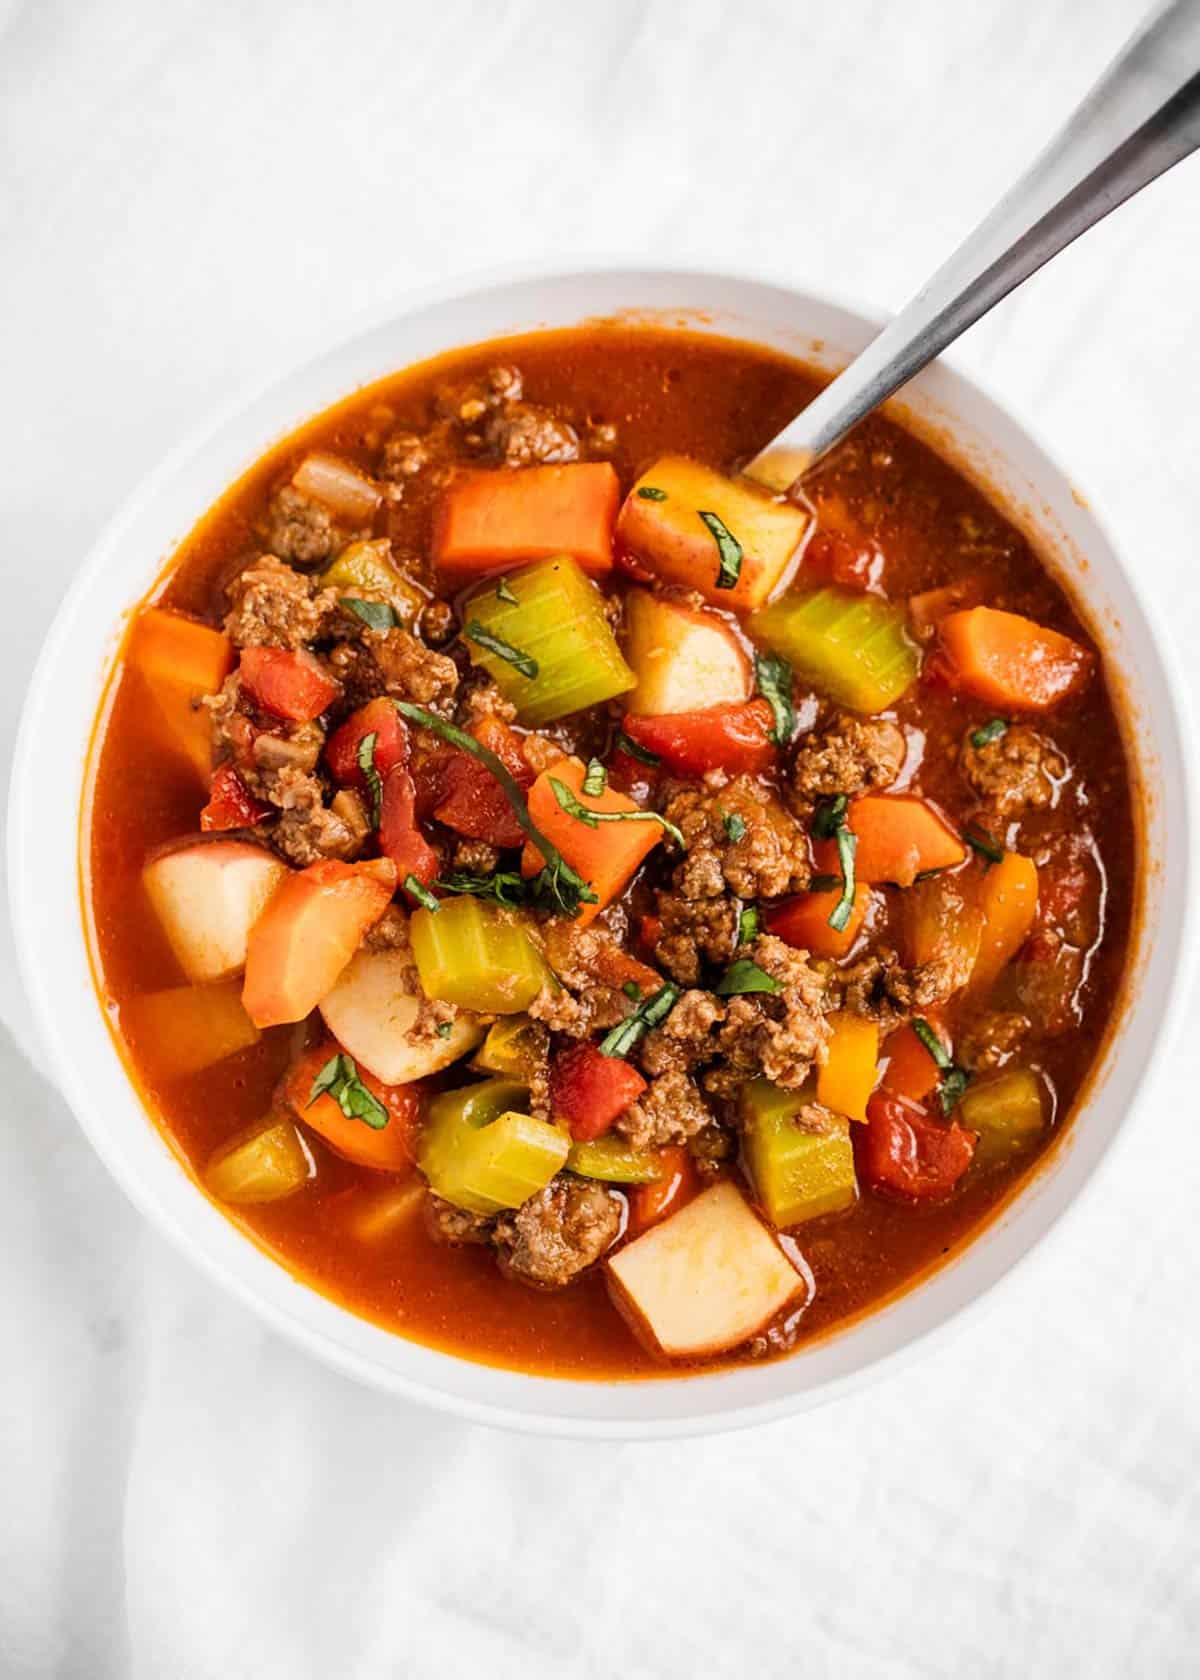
581 909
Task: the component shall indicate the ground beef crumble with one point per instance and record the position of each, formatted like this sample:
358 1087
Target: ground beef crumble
779 1035
558 1233
769 859
670 1110
272 605
1021 770
393 662
848 755
301 530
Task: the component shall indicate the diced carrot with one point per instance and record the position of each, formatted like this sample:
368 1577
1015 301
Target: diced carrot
230 803
899 837
1008 898
939 924
909 1070
606 856
180 660
648 1203
399 837
379 718
1010 661
488 520
293 685
803 921
846 1078
390 1148
308 933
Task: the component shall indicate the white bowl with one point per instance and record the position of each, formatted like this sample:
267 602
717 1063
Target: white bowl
45 815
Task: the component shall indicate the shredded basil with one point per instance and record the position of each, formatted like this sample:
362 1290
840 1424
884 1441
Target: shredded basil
339 1078
556 886
728 547
932 1043
651 493
505 886
745 976
649 1013
829 816
596 780
747 924
632 991
847 845
990 732
445 1028
370 775
951 1089
824 883
593 819
504 593
955 1079
520 661
626 744
982 842
773 675
376 615
421 893
735 826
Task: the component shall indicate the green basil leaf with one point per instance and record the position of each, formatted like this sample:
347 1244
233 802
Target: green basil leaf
593 819
990 732
651 493
773 675
596 780
421 893
651 1012
505 886
523 662
339 1078
376 615
982 842
743 976
829 816
747 924
370 775
847 845
728 547
735 825
626 744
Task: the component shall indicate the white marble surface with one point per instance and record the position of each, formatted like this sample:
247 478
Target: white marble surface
195 193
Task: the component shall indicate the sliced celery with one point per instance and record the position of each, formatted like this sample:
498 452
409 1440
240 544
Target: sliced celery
798 1174
367 568
556 620
269 1163
611 1158
851 647
1008 1112
482 1154
477 956
511 1046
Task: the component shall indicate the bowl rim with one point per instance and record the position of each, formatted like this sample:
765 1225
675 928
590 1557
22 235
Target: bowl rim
53 1026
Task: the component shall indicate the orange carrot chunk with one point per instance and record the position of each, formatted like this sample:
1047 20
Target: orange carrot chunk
606 856
389 1146
1010 661
1008 898
488 520
179 660
899 837
803 921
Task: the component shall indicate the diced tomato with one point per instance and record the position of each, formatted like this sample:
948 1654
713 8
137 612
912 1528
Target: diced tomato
230 803
835 558
288 684
399 837
379 718
590 1090
1068 891
469 798
648 1203
733 738
902 1152
650 931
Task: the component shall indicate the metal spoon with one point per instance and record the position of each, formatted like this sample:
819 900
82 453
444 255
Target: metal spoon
1142 116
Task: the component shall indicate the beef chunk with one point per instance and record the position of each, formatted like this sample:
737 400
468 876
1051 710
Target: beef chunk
468 404
770 859
273 606
670 1110
455 1225
779 1035
686 1038
991 1039
405 454
392 662
524 435
880 987
592 968
289 746
558 1233
700 929
1019 771
308 829
390 932
476 857
479 698
300 530
845 755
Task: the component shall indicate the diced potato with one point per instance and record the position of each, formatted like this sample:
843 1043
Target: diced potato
661 526
382 1214
262 1166
684 660
208 896
192 1026
1008 1112
705 1278
798 1173
370 1012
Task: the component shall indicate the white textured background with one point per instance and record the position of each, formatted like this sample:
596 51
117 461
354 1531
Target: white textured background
196 193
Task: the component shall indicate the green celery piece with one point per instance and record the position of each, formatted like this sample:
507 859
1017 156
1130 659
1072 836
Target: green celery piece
611 1158
558 620
366 567
851 647
510 1047
482 1154
1008 1112
477 956
797 1174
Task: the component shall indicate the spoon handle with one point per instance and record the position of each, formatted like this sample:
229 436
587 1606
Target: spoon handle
1142 116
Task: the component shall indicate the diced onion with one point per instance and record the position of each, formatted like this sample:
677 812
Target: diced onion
339 486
